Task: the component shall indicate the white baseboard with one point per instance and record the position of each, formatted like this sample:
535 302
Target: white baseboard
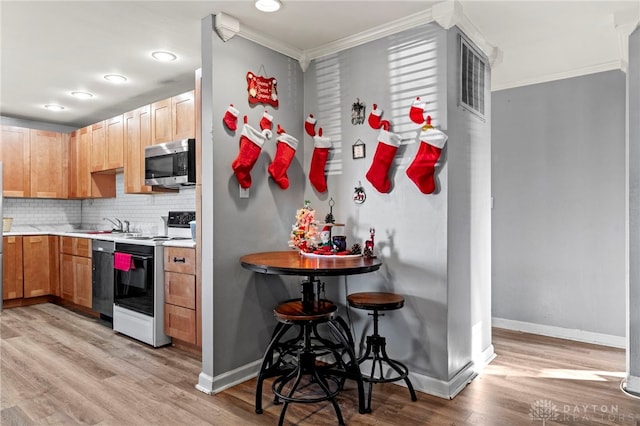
441 388
420 382
560 332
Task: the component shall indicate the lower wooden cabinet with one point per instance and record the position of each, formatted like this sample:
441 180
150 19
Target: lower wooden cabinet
180 314
12 277
40 265
75 270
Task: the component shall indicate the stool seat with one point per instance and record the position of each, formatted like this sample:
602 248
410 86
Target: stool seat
293 311
376 301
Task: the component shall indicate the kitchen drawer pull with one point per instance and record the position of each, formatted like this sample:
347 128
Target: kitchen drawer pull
182 260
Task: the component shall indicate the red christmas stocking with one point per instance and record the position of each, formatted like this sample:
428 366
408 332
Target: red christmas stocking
416 112
318 161
285 151
266 122
422 168
378 173
230 118
374 117
251 141
310 125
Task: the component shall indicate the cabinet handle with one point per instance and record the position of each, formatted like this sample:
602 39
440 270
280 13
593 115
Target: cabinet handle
176 260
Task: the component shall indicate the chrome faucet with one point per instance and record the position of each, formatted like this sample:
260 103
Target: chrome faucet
117 224
126 226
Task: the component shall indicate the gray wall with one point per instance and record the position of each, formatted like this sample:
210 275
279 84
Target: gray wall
428 242
558 176
633 142
241 316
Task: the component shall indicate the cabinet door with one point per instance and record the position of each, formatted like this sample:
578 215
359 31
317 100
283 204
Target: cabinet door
12 268
161 122
36 265
180 323
180 289
82 281
67 279
98 146
46 164
183 120
114 155
83 163
14 155
137 137
72 171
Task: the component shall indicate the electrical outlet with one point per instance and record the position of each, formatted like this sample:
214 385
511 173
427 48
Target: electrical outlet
244 193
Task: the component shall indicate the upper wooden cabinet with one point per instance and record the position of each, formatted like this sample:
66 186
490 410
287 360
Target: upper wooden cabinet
14 155
98 146
173 118
114 157
35 163
48 159
107 144
81 182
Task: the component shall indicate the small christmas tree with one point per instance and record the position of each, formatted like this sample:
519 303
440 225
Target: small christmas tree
304 233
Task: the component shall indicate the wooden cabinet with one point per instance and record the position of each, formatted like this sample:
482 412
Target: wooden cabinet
183 119
34 163
114 156
107 145
12 277
173 118
82 183
14 155
40 265
137 136
48 159
180 313
98 146
76 270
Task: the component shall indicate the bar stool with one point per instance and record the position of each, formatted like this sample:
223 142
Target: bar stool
327 379
376 345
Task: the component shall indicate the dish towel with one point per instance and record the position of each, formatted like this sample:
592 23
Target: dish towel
122 261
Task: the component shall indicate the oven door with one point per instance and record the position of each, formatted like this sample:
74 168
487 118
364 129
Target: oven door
134 288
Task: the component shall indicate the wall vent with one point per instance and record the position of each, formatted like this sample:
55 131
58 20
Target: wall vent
472 73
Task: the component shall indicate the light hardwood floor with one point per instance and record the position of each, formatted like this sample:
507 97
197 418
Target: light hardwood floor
60 367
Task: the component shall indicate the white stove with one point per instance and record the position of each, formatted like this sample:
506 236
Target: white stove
138 309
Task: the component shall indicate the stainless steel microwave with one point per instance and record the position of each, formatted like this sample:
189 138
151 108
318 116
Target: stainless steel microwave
170 164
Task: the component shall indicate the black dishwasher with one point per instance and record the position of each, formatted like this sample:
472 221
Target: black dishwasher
102 278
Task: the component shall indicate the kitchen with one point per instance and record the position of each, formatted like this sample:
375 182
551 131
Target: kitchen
235 295
116 221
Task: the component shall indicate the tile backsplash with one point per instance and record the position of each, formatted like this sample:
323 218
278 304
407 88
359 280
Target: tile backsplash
142 211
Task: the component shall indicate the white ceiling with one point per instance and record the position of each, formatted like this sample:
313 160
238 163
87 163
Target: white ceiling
51 48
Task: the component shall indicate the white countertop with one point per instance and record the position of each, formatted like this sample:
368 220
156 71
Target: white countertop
116 237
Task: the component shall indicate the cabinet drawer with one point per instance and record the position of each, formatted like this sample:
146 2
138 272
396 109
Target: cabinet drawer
76 246
180 323
180 259
180 289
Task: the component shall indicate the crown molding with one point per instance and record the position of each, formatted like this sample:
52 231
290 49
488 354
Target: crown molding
390 28
273 44
606 66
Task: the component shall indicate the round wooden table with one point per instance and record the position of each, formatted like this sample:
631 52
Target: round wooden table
294 263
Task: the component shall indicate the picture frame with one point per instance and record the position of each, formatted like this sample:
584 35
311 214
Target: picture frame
358 150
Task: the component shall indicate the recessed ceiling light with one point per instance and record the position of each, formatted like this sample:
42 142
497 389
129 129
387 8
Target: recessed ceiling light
54 107
82 95
268 5
115 78
164 56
